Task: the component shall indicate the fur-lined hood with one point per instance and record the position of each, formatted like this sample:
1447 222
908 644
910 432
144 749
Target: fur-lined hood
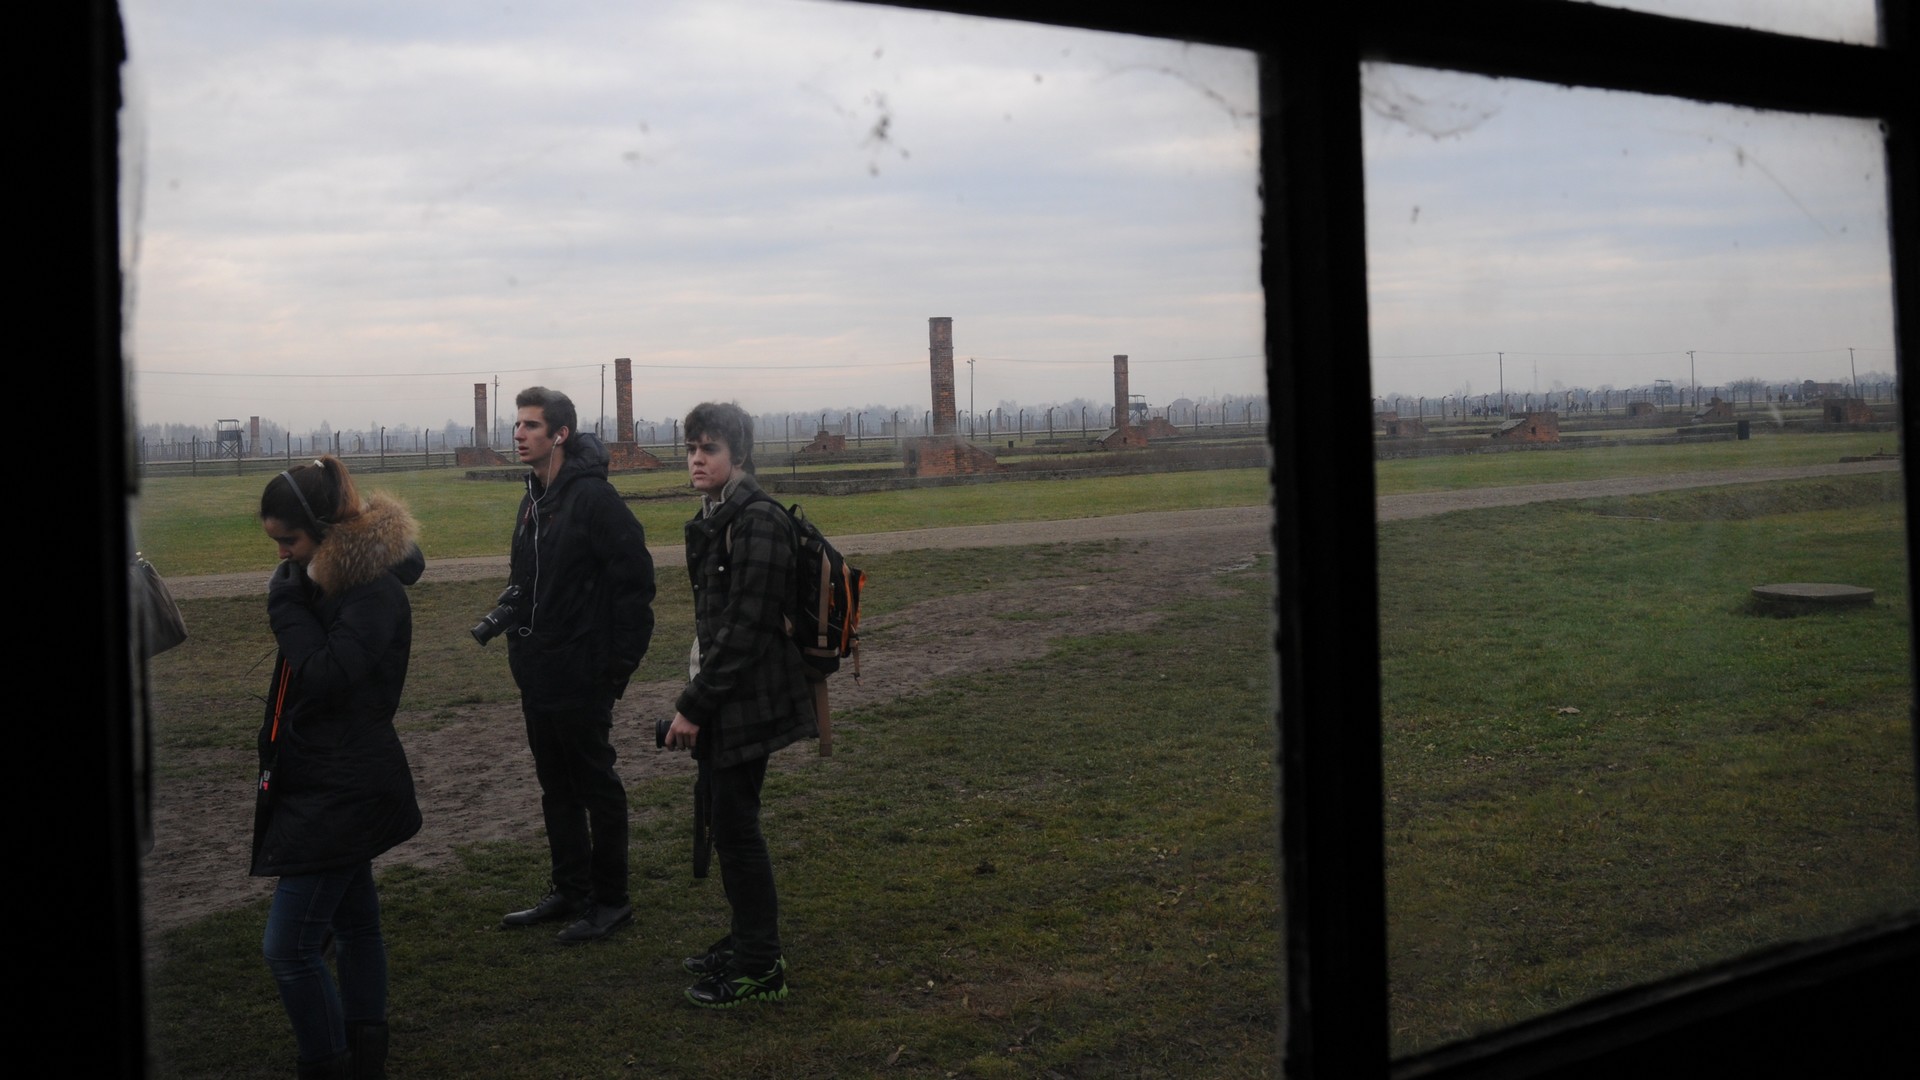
383 538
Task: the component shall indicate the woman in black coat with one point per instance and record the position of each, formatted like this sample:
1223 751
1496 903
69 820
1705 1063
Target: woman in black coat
335 789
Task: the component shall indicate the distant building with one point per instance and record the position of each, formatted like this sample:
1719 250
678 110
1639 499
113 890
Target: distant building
1715 410
1845 410
1538 427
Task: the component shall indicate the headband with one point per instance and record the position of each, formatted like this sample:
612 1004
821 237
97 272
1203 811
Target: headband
304 504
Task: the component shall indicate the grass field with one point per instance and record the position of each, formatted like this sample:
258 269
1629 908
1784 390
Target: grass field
1403 475
978 898
1603 768
1600 768
205 525
208 525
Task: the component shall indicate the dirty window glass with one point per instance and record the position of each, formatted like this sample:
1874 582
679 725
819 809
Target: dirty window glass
1644 613
1044 839
1855 22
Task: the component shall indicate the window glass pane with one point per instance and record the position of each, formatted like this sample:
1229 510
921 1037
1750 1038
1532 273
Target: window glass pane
1044 841
1632 360
1855 22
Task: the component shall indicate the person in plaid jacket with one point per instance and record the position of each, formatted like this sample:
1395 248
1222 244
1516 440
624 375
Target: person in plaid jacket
747 693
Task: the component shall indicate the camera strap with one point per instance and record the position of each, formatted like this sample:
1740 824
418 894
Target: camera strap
273 732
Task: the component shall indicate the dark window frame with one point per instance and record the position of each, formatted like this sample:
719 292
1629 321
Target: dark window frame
1831 1006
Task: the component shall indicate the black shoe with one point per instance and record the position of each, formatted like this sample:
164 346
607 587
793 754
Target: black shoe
367 1044
730 988
553 907
712 962
599 921
340 1068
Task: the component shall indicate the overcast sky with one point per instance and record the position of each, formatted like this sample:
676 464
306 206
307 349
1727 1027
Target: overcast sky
1596 237
352 211
762 200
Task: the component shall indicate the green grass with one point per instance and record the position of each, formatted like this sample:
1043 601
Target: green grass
208 525
975 899
1403 475
1728 781
1067 866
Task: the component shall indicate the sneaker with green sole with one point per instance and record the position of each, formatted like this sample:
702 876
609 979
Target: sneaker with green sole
725 989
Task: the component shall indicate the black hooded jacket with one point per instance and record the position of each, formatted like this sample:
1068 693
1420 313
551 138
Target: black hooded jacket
335 788
585 613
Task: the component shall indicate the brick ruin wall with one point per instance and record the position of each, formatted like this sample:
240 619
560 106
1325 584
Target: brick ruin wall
937 455
1536 427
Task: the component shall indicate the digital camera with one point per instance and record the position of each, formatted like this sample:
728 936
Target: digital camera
505 614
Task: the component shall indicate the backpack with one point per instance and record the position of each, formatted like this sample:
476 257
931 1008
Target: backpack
823 615
825 620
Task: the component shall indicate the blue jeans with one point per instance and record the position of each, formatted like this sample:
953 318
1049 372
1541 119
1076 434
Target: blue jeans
307 910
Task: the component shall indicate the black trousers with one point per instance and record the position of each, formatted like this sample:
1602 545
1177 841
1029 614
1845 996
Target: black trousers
746 871
582 799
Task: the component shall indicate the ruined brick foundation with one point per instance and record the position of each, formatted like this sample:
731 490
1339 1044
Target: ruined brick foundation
937 455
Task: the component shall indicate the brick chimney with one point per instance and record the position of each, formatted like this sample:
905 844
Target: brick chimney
940 347
481 436
623 399
1121 403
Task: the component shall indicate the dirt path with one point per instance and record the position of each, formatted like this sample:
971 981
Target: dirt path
474 773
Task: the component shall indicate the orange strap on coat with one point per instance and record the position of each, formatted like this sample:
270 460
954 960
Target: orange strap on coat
280 699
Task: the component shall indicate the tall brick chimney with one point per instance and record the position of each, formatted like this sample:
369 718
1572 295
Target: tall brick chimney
481 436
623 398
1121 403
940 346
253 434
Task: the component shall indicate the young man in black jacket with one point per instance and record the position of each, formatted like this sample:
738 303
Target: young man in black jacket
746 697
582 621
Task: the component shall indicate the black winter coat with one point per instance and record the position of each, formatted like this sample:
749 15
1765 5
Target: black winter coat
586 582
751 695
335 789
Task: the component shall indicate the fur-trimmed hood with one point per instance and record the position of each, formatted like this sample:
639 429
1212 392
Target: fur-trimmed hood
383 538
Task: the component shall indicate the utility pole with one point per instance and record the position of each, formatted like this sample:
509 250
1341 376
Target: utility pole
970 412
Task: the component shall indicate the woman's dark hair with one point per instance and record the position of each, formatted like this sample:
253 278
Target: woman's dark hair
312 497
728 423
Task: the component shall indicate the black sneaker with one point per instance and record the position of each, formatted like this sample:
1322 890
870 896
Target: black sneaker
730 988
599 921
553 907
712 962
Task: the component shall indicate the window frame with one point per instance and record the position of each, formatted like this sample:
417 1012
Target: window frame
1827 1003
